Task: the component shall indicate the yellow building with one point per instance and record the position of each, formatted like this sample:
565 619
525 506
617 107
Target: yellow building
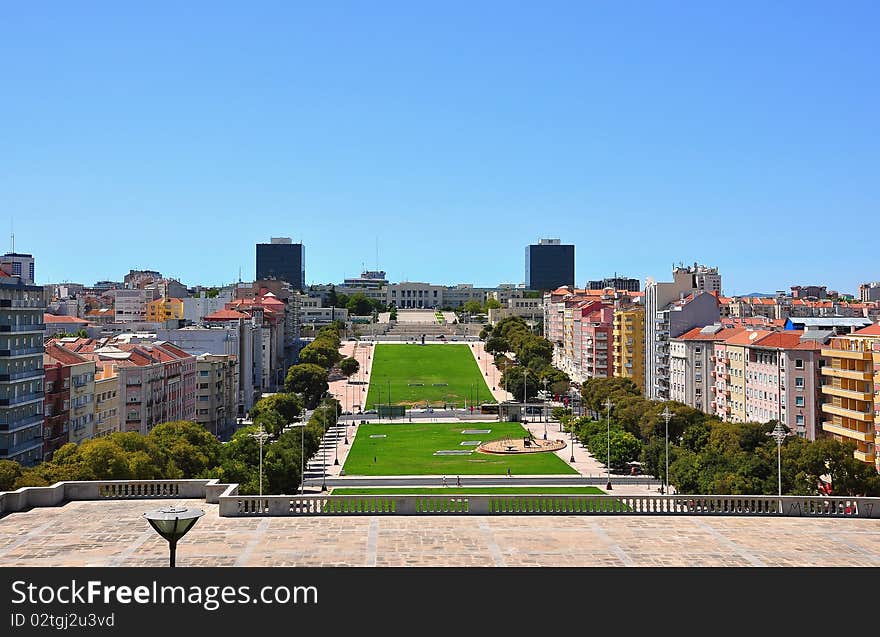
106 401
629 345
166 309
849 407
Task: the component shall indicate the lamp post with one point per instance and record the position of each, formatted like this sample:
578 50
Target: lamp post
608 406
525 384
172 523
571 435
260 436
545 409
666 416
336 433
779 434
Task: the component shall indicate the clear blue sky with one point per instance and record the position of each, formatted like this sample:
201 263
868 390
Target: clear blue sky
175 136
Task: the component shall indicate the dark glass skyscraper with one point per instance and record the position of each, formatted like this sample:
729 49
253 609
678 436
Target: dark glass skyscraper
549 264
283 260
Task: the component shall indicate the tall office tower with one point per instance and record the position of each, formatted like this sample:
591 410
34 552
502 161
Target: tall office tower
20 265
283 260
549 265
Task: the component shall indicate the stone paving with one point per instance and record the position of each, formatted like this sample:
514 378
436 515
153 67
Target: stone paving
113 533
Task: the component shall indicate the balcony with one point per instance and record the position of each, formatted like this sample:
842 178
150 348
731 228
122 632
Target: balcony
33 327
30 421
25 375
21 304
854 434
22 447
22 351
21 399
863 456
847 393
852 374
864 416
848 354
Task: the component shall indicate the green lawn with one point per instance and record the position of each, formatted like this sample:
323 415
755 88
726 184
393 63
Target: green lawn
437 374
408 449
467 490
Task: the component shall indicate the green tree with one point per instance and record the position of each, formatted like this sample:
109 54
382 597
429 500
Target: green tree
473 307
497 345
9 472
359 305
493 304
512 379
349 366
192 448
624 447
308 380
288 405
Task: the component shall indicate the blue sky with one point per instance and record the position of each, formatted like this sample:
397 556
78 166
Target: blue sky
738 134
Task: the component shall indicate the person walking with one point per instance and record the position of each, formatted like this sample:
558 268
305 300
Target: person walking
444 481
508 472
458 481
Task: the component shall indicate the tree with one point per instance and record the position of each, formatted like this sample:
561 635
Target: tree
323 351
349 366
624 447
9 472
473 307
497 345
493 304
308 380
512 380
392 315
192 448
359 305
288 405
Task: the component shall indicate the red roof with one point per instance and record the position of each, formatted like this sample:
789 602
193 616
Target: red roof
53 318
62 355
785 340
871 330
226 315
746 337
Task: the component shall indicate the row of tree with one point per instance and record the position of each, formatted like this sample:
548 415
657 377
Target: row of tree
524 358
708 455
309 378
358 304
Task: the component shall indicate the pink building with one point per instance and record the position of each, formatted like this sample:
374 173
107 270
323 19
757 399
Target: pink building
783 382
597 324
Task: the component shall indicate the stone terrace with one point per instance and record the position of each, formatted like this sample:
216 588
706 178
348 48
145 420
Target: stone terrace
113 533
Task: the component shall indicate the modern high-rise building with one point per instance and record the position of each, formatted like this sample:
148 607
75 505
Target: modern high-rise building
20 265
21 369
282 260
549 265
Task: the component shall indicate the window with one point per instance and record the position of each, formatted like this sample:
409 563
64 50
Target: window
799 419
798 401
798 363
799 382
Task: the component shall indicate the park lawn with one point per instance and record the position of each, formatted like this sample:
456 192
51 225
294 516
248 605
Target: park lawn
408 449
436 374
467 490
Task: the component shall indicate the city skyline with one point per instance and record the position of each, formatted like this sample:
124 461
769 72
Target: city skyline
139 138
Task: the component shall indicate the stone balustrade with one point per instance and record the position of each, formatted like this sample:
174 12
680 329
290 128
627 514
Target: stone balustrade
233 505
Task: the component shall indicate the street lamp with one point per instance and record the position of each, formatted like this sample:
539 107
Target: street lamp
525 384
172 523
545 409
779 434
336 426
666 416
608 406
571 435
261 436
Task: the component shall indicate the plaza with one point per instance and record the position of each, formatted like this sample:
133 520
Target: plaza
113 533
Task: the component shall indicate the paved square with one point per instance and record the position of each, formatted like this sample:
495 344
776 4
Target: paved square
113 533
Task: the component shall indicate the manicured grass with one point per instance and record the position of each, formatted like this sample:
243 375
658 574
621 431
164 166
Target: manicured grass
408 449
436 374
467 490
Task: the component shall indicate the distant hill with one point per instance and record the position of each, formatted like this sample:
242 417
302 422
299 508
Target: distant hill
757 294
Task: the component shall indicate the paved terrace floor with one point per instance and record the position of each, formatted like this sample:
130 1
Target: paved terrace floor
113 533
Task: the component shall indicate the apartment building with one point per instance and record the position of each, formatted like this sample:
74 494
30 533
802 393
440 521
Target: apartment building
691 363
850 382
164 309
217 394
77 390
783 381
129 305
21 370
686 281
56 424
106 398
628 344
